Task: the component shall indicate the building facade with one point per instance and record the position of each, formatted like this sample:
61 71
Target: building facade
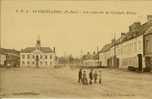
37 56
9 57
133 48
90 60
2 59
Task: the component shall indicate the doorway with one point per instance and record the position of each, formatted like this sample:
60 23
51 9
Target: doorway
37 61
140 62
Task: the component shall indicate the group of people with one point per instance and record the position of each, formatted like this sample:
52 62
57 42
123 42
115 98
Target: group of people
93 76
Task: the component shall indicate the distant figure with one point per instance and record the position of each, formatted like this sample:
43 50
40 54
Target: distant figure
80 76
84 78
100 77
95 76
90 76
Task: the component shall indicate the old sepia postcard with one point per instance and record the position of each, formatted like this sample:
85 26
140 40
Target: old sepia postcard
79 49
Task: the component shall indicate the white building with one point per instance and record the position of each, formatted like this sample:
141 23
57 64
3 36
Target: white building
91 63
131 49
2 59
90 60
37 56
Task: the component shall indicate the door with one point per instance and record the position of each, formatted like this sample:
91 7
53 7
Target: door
37 61
117 62
140 62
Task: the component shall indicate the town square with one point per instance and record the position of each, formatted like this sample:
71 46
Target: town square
79 49
63 82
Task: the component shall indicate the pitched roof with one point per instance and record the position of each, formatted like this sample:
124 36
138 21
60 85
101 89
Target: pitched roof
2 53
31 49
13 51
146 27
106 47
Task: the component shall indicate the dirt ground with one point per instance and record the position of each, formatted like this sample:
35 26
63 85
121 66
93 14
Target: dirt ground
63 83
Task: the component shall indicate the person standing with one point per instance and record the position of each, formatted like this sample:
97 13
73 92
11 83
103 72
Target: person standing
84 77
100 77
80 76
90 76
95 77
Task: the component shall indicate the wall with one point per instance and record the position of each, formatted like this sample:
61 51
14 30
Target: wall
148 45
129 51
91 62
2 59
43 61
126 52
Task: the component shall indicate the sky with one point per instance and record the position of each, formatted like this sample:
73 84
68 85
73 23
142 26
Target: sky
71 33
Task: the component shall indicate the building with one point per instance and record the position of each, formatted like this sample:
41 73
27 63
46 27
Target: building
37 56
9 57
2 59
133 48
90 60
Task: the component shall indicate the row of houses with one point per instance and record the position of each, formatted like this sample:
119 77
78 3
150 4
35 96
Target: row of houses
133 48
36 56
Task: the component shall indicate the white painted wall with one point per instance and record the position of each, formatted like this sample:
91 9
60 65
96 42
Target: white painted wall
125 51
91 62
43 62
2 59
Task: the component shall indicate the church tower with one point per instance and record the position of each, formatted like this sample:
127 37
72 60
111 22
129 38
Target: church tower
38 43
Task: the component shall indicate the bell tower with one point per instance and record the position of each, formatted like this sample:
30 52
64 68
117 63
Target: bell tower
38 43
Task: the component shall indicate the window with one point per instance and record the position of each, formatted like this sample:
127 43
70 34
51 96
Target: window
23 56
46 57
33 56
140 44
28 62
33 62
41 57
28 56
46 62
41 62
23 62
147 44
50 56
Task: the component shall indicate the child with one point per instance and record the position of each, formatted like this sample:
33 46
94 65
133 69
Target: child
95 77
84 77
100 77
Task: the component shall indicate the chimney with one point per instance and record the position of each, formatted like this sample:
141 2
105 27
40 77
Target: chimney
135 26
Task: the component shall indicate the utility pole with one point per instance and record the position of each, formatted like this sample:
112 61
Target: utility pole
115 57
98 62
81 57
64 58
